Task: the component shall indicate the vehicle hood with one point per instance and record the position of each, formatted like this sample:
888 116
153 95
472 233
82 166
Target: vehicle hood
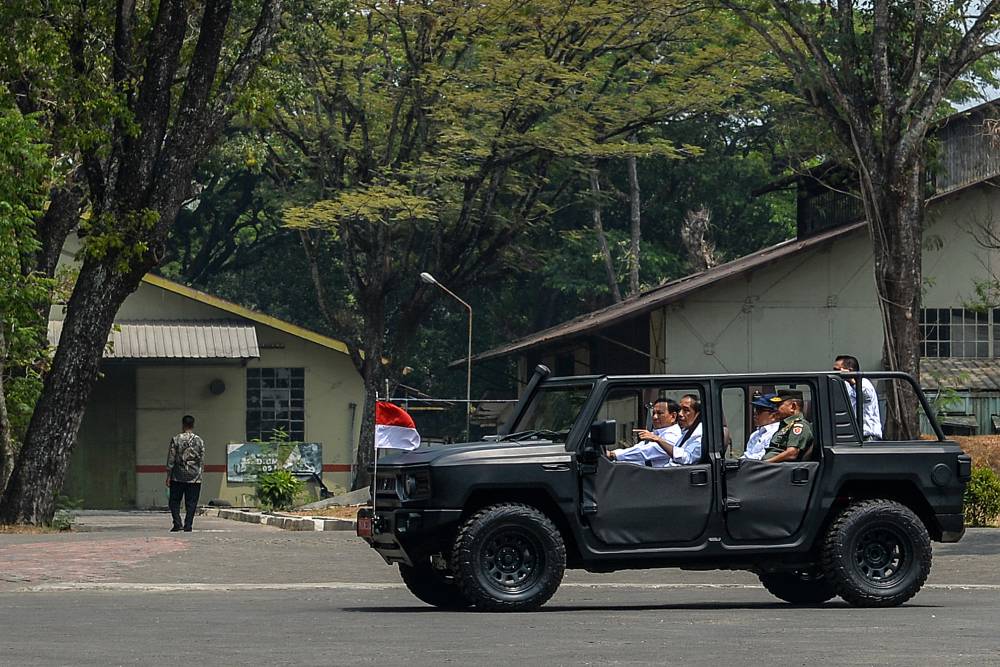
542 451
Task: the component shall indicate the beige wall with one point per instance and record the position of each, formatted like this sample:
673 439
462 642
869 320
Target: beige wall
799 313
792 315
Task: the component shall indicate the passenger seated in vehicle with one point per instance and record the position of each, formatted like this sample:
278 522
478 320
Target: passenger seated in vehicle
795 434
765 418
685 449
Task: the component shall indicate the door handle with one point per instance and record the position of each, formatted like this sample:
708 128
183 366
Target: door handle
800 475
699 477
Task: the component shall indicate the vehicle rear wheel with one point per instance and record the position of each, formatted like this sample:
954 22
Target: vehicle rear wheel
877 554
508 557
435 587
799 587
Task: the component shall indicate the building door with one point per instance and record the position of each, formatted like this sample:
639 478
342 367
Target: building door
101 471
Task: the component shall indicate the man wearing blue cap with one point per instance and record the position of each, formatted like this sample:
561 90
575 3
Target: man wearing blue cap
765 418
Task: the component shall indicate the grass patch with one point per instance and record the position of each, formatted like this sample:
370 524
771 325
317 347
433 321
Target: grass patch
28 530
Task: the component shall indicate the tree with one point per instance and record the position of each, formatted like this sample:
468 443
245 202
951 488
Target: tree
24 173
137 93
429 130
878 73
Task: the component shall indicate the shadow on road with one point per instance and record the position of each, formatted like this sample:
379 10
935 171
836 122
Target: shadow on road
690 606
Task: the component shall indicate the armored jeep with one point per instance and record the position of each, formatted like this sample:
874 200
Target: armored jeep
493 525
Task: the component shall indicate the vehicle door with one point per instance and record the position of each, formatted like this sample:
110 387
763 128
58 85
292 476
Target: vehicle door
631 504
766 501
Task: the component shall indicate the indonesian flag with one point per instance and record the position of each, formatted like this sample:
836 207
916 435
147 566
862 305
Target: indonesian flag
394 428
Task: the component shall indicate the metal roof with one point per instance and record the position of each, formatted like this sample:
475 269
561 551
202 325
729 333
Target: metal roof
960 373
664 294
175 340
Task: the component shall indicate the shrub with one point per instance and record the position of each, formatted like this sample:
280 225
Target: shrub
278 489
982 497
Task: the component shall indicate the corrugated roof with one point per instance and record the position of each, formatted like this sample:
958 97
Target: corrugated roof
664 294
236 309
975 374
176 340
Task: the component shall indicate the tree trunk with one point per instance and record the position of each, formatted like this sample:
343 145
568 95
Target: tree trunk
41 466
636 226
896 210
602 240
6 438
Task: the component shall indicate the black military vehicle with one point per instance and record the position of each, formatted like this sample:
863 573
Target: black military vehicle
493 525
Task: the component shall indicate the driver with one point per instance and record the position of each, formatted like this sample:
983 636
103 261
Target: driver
665 447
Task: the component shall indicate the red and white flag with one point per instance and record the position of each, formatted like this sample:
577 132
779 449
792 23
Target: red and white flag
394 428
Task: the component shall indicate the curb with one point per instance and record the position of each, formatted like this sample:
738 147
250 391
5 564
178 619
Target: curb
306 523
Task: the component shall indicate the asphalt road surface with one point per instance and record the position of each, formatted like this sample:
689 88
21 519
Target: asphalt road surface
235 594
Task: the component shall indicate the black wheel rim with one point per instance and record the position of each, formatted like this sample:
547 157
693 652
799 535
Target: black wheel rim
511 560
882 554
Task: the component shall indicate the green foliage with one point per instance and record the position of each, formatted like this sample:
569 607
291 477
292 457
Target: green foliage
65 514
982 497
278 489
24 174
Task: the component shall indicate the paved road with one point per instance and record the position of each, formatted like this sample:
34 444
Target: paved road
230 593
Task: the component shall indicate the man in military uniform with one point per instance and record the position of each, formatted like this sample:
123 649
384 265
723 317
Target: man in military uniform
185 463
795 435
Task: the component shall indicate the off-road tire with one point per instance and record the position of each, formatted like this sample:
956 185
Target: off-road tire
877 553
798 587
508 557
435 587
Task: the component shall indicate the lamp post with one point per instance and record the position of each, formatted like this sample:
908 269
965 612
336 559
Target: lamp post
431 280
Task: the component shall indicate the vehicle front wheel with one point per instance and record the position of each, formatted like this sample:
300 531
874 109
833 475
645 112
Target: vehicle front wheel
508 557
435 587
805 587
877 554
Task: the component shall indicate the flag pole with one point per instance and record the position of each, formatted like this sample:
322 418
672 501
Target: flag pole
375 468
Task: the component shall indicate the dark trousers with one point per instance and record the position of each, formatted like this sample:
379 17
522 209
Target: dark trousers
190 492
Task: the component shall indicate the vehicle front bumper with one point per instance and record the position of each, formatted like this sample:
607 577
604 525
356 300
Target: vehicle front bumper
402 535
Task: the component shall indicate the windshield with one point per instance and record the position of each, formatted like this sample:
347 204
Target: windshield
552 412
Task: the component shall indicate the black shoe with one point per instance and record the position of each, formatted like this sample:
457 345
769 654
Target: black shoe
187 530
175 529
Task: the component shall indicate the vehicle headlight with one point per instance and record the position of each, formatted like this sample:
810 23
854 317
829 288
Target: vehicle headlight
416 484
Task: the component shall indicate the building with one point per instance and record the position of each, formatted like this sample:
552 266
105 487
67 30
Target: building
796 305
240 373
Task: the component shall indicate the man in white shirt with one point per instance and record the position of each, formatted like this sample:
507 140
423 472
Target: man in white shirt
668 447
871 417
765 417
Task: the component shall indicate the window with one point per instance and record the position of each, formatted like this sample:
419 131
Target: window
276 400
740 420
959 332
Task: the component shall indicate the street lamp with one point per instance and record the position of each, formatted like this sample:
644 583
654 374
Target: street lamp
431 280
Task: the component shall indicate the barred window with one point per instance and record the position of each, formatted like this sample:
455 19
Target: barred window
276 401
959 332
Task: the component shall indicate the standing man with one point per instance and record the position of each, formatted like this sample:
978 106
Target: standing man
652 448
795 435
765 417
870 416
185 463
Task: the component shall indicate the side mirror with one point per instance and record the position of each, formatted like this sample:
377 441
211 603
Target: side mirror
604 434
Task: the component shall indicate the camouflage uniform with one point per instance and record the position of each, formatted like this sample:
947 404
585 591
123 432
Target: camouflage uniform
185 463
185 460
795 432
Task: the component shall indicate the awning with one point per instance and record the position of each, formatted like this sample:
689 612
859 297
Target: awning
175 340
978 374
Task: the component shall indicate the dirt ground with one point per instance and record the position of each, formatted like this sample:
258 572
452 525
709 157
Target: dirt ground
330 512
